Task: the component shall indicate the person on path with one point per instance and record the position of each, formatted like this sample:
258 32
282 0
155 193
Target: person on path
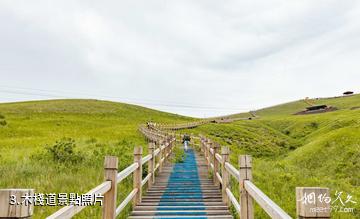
186 140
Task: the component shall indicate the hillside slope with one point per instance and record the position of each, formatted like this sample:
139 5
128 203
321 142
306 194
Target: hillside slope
299 150
59 145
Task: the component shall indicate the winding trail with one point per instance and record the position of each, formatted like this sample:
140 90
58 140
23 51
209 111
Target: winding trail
183 190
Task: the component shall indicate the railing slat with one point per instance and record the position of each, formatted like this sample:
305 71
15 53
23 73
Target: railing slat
271 208
211 150
156 167
218 157
232 170
156 152
233 200
126 201
219 178
126 172
146 158
70 211
144 181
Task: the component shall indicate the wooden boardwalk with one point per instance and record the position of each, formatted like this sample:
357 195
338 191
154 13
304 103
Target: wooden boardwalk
183 190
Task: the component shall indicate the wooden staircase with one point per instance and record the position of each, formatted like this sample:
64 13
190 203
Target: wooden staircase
183 190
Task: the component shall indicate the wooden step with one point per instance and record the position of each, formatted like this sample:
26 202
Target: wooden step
183 192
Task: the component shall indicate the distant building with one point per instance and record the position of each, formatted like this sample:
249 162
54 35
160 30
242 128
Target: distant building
318 107
348 93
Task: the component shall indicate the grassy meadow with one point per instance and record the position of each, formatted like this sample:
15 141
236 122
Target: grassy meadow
302 150
59 146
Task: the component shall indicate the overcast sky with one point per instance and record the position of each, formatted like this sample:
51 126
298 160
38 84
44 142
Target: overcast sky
198 58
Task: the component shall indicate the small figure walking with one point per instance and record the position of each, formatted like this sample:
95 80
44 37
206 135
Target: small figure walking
186 141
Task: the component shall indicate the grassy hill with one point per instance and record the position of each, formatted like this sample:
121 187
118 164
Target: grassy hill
299 150
59 145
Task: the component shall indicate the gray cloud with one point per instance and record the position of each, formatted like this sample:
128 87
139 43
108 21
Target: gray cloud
230 56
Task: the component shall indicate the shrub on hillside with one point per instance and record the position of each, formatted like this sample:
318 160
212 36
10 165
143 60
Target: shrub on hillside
63 151
3 122
314 125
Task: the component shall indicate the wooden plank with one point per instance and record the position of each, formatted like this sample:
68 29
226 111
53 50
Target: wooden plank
245 174
145 159
151 165
126 201
144 181
211 151
218 157
216 165
126 172
219 178
157 151
137 178
109 206
308 204
233 200
8 210
225 175
232 170
270 207
156 167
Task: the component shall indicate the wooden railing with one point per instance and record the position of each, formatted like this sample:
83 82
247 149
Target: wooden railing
155 159
191 125
218 163
188 125
160 148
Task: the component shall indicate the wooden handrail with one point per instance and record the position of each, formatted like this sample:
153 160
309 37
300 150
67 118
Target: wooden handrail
126 201
165 142
232 170
126 172
243 177
70 211
233 200
188 125
146 158
272 209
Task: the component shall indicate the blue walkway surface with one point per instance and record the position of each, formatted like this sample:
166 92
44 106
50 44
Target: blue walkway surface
183 190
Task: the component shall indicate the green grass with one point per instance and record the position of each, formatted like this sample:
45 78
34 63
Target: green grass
98 128
288 150
298 150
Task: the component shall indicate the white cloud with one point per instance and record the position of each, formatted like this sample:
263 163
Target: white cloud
232 54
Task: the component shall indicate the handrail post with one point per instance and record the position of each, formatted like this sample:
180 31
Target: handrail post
14 211
151 165
172 142
225 174
137 178
207 152
111 169
216 165
246 201
209 146
205 155
161 155
308 204
166 150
